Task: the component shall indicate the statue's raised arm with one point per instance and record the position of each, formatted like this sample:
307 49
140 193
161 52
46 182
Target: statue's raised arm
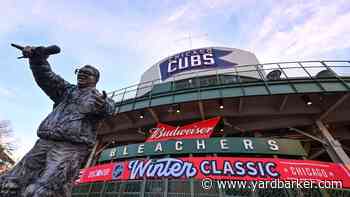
51 83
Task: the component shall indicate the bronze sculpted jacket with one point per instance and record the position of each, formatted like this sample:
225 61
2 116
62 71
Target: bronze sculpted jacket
74 117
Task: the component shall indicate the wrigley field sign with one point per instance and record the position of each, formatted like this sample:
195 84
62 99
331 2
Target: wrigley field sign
231 145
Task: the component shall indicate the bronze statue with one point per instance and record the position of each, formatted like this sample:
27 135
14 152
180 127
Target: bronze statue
66 135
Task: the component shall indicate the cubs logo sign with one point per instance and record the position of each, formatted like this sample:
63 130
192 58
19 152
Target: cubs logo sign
203 58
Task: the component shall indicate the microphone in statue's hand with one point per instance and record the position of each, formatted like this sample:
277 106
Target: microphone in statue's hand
50 50
17 46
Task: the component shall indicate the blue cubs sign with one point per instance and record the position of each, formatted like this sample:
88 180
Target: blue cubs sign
203 58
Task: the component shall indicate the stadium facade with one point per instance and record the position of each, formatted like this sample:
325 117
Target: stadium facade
218 114
6 162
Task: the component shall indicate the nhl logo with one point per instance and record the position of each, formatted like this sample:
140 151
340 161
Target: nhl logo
117 171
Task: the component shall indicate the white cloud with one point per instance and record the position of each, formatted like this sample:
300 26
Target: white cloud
312 30
178 13
289 31
86 30
5 92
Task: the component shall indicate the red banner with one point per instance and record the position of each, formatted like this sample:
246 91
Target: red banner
202 129
219 168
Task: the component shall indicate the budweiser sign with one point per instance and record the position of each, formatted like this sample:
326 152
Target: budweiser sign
202 129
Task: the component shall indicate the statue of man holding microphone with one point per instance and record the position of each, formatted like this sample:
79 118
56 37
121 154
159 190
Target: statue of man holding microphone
66 135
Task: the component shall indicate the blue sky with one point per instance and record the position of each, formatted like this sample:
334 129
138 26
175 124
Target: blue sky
123 38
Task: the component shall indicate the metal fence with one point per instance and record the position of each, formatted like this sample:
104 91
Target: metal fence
282 71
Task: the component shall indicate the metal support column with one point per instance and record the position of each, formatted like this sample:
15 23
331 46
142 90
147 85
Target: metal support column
92 154
144 182
191 183
166 187
333 147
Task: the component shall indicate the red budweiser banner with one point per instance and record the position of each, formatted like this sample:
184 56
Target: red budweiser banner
230 168
202 129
